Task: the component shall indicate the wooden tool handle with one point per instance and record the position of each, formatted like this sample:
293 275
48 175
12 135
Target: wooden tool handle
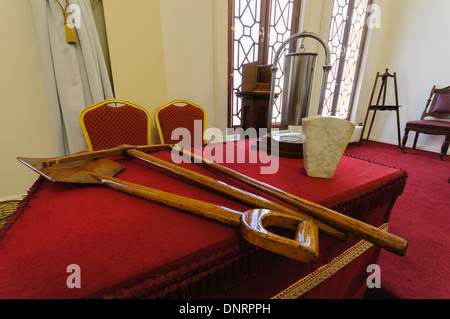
253 223
193 206
115 151
381 238
365 231
234 192
304 246
139 152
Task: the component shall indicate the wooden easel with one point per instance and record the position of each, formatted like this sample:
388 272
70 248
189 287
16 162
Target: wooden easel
381 103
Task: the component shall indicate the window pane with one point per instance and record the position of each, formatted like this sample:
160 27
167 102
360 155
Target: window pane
345 41
253 42
246 21
279 31
351 58
337 32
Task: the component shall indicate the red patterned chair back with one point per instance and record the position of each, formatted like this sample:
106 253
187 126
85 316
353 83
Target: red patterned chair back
106 126
181 114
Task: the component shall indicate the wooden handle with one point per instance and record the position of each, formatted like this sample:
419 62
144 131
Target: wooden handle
234 192
115 151
365 231
193 206
253 223
81 156
381 238
305 246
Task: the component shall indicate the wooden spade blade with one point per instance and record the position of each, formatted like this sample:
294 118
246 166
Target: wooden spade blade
76 172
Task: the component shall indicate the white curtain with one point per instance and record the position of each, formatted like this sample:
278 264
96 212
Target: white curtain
76 74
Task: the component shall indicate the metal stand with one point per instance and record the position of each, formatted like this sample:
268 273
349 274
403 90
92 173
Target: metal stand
292 147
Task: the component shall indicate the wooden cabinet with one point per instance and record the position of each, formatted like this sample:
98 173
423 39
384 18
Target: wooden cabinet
255 95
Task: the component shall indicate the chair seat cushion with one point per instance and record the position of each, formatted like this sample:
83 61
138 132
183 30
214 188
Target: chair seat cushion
437 126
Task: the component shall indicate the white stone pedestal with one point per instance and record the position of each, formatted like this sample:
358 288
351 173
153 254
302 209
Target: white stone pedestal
324 142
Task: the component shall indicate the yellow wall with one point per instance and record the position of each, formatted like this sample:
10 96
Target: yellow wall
137 53
188 51
220 44
24 116
171 49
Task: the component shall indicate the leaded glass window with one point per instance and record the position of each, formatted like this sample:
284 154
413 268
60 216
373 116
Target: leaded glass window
257 29
346 41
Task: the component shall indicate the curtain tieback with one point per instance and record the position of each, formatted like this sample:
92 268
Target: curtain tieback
71 36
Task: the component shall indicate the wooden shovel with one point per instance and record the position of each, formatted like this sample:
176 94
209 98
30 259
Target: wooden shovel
253 223
251 199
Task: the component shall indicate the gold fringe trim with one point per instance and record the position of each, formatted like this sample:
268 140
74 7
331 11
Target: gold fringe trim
7 208
318 276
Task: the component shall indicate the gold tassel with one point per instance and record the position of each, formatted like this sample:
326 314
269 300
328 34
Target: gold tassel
71 36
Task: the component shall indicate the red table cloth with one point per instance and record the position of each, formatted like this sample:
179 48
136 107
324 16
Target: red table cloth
128 247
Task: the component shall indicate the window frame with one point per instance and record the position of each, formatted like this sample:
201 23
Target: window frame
263 47
342 61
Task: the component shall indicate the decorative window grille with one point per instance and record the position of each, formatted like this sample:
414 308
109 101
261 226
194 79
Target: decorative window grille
346 40
257 28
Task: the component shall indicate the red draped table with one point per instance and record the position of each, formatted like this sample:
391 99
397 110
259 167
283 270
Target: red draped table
127 247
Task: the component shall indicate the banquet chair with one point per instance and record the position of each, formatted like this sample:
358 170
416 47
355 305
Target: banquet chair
184 115
438 108
114 122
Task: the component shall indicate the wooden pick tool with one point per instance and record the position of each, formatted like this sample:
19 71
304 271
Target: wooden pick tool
381 238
